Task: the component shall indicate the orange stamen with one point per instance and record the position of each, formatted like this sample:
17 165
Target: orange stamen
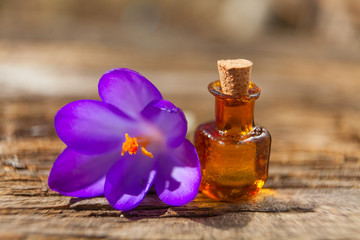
131 146
146 153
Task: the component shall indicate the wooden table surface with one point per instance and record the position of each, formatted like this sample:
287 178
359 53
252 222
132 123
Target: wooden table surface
311 106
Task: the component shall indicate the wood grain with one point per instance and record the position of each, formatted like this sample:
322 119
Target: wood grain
311 193
313 190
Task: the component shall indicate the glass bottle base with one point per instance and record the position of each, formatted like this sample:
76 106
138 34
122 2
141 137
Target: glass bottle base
233 167
231 193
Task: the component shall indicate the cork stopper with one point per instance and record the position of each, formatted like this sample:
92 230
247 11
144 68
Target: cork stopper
235 76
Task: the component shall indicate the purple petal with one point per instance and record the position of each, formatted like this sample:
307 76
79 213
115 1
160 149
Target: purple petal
90 126
169 119
129 180
79 175
178 177
127 90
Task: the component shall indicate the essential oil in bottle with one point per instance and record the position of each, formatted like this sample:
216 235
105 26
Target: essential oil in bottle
234 152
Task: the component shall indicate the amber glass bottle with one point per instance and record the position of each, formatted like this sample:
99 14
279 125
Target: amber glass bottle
233 151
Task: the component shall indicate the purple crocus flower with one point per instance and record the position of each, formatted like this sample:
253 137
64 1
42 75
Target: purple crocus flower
123 145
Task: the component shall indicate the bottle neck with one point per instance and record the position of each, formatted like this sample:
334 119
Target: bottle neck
235 117
234 114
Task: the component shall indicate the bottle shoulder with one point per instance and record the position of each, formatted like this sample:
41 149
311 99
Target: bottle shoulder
209 130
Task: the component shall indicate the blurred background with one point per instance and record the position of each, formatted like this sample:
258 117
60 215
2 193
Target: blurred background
63 46
306 56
